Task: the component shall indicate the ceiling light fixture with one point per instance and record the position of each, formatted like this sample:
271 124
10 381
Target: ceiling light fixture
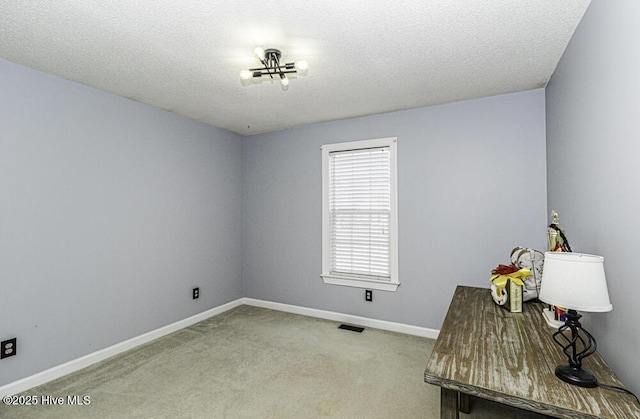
270 59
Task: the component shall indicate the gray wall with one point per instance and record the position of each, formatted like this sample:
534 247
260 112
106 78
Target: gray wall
593 109
110 212
471 187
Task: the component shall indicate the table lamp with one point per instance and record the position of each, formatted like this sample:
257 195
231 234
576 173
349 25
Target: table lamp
574 282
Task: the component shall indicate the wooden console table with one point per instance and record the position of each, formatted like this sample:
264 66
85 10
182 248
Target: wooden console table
485 351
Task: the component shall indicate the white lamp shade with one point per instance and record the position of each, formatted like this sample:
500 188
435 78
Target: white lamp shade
575 281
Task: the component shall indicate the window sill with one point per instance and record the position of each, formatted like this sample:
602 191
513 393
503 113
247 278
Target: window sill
360 283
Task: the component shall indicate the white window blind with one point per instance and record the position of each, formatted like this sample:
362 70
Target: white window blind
360 213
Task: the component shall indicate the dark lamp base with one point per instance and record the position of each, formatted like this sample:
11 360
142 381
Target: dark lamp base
576 376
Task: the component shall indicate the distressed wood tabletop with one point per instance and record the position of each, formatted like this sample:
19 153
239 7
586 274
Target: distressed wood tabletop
484 350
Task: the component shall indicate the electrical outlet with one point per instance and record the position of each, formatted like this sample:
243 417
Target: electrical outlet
368 295
196 293
8 348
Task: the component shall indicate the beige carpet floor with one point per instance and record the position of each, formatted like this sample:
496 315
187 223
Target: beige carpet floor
257 363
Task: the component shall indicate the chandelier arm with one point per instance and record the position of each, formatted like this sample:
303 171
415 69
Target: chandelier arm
266 67
275 64
279 70
268 71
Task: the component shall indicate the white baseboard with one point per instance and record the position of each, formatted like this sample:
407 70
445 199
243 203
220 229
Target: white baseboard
89 359
346 318
82 362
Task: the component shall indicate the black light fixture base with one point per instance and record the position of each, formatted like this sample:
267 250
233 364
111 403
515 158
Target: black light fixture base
272 53
576 376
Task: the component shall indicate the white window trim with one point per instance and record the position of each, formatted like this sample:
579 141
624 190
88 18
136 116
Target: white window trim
352 280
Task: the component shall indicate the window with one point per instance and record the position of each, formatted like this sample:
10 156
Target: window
359 214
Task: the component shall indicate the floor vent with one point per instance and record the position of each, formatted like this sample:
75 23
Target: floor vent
351 328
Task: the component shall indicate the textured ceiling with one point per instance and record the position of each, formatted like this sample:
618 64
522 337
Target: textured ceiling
365 57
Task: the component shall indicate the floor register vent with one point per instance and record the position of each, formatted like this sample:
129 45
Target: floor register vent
351 328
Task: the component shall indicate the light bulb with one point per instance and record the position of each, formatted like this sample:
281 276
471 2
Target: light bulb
302 65
260 53
284 80
245 74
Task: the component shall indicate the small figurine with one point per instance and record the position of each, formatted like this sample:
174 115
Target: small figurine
557 240
557 243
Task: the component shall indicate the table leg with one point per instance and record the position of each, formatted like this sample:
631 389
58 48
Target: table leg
464 403
448 404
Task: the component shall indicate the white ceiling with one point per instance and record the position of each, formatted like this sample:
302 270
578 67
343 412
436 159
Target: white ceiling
365 56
